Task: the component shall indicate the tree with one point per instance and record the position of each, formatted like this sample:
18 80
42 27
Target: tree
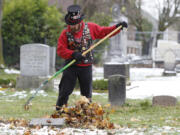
1 43
29 21
132 9
168 14
92 7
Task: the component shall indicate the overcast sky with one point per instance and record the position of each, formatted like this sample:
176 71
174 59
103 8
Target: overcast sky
151 6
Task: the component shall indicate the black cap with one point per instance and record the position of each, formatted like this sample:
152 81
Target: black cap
74 15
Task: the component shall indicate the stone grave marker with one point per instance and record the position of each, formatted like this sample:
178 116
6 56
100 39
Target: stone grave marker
57 122
163 46
169 63
117 90
117 68
178 68
116 58
36 62
164 101
52 60
117 50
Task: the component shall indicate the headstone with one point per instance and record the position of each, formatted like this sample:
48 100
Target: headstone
117 49
52 60
169 63
116 68
177 68
33 82
35 60
179 37
164 101
117 90
36 65
57 122
116 13
164 46
116 60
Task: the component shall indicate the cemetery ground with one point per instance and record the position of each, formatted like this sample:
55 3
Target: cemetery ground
136 116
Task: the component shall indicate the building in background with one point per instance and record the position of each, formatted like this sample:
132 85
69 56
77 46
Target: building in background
63 4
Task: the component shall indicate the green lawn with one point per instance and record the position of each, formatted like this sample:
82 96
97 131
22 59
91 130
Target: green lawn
135 113
3 75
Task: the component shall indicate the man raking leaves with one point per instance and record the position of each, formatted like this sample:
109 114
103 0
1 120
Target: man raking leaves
75 46
72 43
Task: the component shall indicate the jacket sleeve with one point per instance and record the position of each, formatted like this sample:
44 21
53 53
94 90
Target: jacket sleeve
99 32
62 47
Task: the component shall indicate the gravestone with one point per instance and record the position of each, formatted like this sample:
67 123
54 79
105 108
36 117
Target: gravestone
116 68
169 63
117 90
57 122
36 63
52 60
116 60
118 44
164 46
164 101
35 60
177 68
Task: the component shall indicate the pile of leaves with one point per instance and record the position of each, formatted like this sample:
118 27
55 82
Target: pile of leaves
85 115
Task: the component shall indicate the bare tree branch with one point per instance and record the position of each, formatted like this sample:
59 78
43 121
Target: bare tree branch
168 15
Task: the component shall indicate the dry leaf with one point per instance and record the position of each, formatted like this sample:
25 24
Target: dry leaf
112 110
28 132
85 114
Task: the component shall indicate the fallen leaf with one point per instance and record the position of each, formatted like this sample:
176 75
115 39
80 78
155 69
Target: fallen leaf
28 132
85 114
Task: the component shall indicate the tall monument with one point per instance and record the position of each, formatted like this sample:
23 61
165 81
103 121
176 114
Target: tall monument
118 44
116 62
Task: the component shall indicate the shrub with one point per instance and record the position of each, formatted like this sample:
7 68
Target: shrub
8 83
97 84
100 84
29 21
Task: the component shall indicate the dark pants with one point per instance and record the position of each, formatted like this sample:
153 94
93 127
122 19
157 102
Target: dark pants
68 82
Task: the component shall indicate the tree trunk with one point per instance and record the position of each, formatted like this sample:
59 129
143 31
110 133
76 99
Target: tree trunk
1 43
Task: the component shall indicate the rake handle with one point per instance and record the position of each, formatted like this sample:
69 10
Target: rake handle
100 41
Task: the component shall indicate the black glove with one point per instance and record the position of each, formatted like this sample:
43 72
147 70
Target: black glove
123 24
77 56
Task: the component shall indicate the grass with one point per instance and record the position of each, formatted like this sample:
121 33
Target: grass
134 113
3 75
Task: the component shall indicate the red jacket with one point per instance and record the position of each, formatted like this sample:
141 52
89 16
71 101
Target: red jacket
96 31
